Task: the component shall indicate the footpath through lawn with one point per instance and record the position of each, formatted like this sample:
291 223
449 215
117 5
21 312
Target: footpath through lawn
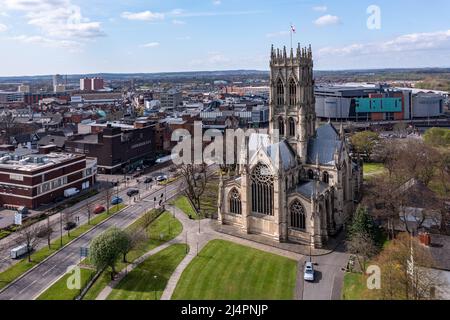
141 284
228 271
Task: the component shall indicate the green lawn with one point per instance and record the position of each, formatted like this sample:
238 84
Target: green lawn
59 290
227 271
355 287
160 226
373 168
140 284
23 266
182 203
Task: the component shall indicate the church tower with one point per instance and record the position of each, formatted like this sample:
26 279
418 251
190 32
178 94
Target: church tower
292 102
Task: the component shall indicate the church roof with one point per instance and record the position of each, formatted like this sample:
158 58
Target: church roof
324 145
286 154
310 188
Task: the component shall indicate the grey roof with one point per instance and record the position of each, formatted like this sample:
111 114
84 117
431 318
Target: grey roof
286 154
310 188
324 145
58 141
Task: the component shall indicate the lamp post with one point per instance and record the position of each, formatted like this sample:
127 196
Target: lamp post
155 277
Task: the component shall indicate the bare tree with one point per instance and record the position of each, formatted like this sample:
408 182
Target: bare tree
363 247
405 266
28 234
194 180
108 197
7 125
67 219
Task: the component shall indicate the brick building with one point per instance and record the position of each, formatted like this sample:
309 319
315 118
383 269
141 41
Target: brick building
32 180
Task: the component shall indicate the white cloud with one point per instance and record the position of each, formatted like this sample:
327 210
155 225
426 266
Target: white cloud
151 45
46 42
320 8
405 43
178 22
217 2
3 27
327 20
184 38
277 34
58 19
143 16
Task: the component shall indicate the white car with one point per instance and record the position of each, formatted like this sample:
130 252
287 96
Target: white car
161 178
309 272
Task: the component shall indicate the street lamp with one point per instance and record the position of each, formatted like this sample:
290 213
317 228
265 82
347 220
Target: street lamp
155 277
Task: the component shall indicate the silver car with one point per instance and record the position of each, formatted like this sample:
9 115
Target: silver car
309 272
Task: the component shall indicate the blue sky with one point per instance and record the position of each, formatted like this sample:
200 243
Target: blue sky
74 36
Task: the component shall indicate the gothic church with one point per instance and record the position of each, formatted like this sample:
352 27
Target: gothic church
302 187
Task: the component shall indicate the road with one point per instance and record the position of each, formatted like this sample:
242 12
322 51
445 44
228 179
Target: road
46 273
328 276
78 210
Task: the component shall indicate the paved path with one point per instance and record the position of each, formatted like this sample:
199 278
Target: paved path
328 276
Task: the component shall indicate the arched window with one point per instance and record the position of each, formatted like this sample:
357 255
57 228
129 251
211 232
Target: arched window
291 127
298 215
262 190
292 93
281 126
310 174
280 93
326 177
235 202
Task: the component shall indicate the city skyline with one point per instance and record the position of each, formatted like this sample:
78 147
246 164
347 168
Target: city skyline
75 37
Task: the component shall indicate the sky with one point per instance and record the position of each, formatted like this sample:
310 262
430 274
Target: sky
140 36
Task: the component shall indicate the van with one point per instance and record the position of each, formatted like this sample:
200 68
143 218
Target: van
16 253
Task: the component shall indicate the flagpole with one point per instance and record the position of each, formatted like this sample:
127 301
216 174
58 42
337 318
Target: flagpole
291 33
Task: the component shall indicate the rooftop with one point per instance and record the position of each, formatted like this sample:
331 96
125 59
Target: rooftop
23 161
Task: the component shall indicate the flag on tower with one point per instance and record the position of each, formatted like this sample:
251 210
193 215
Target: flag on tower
293 28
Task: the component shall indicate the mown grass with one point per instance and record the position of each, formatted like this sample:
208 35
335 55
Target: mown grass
227 271
165 225
60 291
141 284
208 201
23 266
371 169
355 287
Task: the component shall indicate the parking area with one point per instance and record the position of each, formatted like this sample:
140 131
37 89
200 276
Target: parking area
6 218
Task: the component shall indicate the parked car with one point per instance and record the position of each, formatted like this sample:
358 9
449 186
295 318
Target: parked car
161 178
309 272
116 200
70 225
148 180
136 175
99 209
59 199
132 192
71 192
23 211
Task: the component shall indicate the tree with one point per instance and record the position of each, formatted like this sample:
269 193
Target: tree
28 234
364 143
363 235
8 125
134 239
194 180
108 197
67 219
437 137
403 280
106 249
